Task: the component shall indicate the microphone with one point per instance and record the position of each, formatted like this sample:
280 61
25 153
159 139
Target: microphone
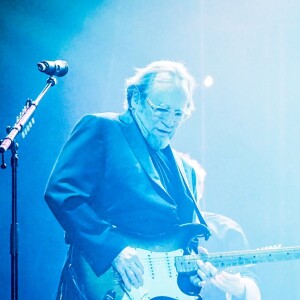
57 68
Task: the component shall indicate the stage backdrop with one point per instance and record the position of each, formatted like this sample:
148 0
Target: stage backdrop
245 130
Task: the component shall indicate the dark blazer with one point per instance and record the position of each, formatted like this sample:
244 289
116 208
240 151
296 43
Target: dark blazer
104 182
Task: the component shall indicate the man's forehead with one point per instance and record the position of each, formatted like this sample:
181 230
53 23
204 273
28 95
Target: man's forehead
168 85
166 95
169 77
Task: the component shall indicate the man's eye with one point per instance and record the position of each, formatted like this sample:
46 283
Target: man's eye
178 113
162 110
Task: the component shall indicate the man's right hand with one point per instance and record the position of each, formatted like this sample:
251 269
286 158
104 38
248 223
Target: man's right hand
130 268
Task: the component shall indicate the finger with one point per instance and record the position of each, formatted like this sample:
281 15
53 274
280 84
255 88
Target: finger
138 264
136 276
202 250
129 267
202 275
206 268
125 273
195 280
226 282
212 270
125 279
132 278
202 267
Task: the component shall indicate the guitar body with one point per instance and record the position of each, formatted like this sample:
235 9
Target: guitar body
168 264
161 279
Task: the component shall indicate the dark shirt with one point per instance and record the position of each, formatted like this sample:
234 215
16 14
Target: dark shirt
171 178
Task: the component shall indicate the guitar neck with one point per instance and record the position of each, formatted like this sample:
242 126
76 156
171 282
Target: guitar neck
188 263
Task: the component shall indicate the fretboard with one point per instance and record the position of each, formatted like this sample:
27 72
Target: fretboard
188 263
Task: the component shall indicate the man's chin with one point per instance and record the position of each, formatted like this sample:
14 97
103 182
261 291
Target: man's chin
157 144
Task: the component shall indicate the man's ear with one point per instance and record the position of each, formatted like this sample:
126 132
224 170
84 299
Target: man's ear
135 98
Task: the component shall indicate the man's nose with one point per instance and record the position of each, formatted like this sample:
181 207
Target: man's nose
169 120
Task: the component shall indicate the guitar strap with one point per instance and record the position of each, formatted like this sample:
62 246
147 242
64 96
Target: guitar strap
188 181
201 219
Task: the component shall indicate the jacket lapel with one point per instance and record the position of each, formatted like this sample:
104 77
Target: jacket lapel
138 145
187 183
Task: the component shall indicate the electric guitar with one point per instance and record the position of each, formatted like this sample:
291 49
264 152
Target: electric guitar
168 267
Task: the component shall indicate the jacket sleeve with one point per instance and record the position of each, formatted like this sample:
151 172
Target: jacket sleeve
72 188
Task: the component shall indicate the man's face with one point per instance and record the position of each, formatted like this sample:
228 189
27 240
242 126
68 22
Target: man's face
161 113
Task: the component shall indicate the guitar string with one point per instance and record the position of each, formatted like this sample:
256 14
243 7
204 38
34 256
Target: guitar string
224 260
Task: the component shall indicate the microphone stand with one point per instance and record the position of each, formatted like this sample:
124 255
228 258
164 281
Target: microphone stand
23 125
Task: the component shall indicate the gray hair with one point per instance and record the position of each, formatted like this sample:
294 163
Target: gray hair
172 72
